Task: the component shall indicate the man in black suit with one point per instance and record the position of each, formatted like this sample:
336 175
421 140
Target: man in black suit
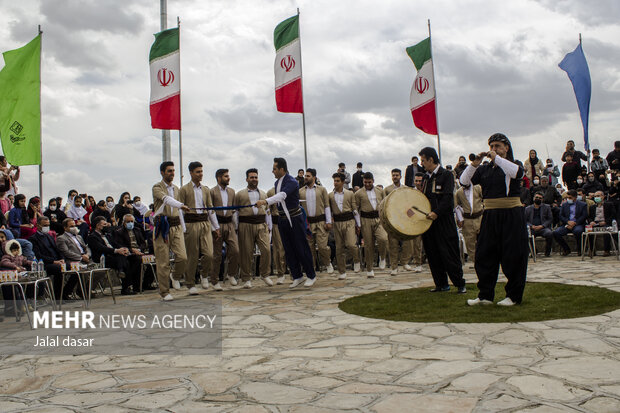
115 257
573 215
129 236
358 177
539 219
45 249
602 214
411 170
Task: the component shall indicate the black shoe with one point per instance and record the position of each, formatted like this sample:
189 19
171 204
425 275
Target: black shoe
565 253
127 292
462 290
149 288
440 289
547 253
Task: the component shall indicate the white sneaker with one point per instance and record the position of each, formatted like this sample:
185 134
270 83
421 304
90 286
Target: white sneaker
205 283
330 268
267 280
370 274
248 284
193 291
478 301
232 280
175 283
218 287
310 282
356 267
407 267
418 269
342 276
296 282
394 272
506 302
168 297
281 280
382 264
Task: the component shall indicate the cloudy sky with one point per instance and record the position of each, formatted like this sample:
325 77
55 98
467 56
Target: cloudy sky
496 70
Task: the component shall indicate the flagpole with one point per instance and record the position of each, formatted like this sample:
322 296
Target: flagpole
41 126
180 124
166 152
303 113
434 90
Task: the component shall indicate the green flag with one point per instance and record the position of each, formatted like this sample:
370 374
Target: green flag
20 104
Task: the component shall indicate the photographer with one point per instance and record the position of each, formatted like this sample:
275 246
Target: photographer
124 207
342 169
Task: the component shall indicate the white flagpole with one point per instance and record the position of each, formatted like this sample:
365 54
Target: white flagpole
434 90
166 152
303 113
41 124
180 124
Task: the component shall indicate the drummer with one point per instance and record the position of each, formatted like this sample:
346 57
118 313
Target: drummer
394 246
441 241
503 232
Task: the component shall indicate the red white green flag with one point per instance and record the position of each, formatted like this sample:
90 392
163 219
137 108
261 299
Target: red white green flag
287 66
422 98
165 65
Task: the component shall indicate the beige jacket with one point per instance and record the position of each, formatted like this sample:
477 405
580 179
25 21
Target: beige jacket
362 201
242 197
322 199
160 190
217 199
348 205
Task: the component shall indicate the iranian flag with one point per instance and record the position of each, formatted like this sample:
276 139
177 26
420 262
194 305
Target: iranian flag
422 98
287 66
166 80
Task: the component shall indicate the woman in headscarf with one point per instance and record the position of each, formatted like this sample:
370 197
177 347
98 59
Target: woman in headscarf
123 207
78 212
503 233
18 218
56 215
533 166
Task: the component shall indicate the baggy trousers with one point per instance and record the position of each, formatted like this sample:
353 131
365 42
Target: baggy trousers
250 235
296 249
228 235
502 241
176 244
441 243
345 237
198 239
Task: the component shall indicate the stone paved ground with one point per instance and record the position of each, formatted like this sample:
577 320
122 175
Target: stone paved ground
294 351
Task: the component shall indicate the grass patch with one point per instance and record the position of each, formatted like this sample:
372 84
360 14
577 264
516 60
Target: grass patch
542 301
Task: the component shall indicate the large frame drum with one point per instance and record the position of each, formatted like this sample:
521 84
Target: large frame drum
403 213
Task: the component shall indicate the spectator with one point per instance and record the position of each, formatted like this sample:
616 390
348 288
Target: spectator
358 180
573 215
130 236
412 171
613 159
13 258
614 193
18 217
71 245
56 216
551 196
11 176
602 214
299 178
139 209
115 256
124 207
342 168
460 166
70 198
539 219
533 166
599 166
11 198
570 171
581 196
26 245
552 172
592 185
109 203
576 155
45 249
101 211
5 203
34 212
535 186
526 198
77 212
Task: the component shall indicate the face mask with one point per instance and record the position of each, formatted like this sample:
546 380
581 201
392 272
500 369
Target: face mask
538 201
598 199
591 179
579 198
52 207
74 230
129 225
549 165
110 204
138 204
45 230
570 201
536 181
579 181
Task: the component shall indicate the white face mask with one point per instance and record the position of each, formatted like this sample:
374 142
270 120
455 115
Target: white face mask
74 230
110 204
45 230
138 204
52 207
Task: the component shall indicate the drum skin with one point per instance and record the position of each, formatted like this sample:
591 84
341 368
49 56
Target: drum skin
398 217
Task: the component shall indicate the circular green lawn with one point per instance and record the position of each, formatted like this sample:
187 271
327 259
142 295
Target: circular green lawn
541 301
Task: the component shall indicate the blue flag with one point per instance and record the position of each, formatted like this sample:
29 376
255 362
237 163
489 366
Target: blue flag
576 67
